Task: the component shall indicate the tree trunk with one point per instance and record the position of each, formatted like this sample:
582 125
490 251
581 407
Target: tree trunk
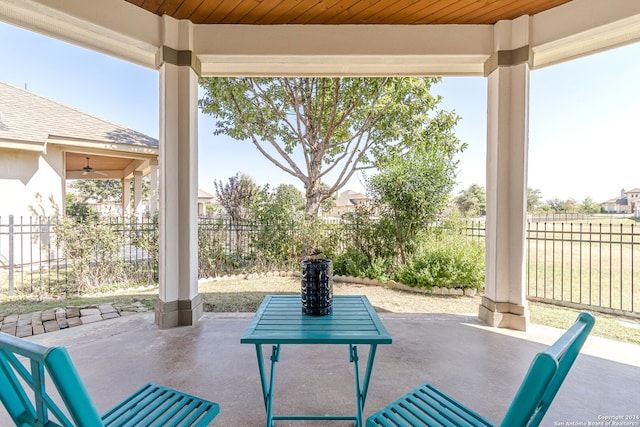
313 196
313 205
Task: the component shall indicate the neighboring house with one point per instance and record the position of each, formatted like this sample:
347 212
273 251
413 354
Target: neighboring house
627 203
205 201
44 143
347 201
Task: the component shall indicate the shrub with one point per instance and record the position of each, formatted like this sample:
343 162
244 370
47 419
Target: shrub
447 261
353 262
91 248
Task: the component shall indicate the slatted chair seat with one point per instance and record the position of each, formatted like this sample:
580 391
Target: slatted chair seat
24 395
155 404
428 406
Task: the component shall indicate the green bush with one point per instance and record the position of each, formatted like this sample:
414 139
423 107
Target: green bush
353 262
445 261
210 255
91 247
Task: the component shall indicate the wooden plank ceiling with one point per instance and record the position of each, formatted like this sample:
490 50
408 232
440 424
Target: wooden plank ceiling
337 12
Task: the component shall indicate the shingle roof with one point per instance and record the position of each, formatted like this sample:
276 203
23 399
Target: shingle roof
204 195
25 116
623 201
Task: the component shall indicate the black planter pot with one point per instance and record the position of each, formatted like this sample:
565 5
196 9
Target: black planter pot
317 287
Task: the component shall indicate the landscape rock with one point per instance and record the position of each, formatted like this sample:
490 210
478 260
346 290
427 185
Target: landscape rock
55 319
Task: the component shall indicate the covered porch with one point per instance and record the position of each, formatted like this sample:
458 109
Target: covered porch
117 356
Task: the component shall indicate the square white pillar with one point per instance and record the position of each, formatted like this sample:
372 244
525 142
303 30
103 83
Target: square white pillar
153 191
504 303
126 198
137 193
178 299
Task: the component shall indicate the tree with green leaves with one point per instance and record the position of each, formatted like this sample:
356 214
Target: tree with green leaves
106 190
534 197
571 205
100 190
589 206
472 201
413 187
557 205
320 128
276 211
78 209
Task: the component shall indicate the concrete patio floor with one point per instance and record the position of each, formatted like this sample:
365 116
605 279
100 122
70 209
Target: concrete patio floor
480 366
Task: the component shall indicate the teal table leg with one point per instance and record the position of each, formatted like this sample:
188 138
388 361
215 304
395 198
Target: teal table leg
267 389
361 388
367 372
361 391
353 358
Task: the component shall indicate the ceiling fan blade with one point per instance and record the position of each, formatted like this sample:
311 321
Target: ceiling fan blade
100 173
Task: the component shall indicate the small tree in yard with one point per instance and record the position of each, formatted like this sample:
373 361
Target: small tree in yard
472 200
312 128
237 195
413 185
277 211
534 197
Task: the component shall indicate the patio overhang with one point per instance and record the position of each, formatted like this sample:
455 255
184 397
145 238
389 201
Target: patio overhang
502 41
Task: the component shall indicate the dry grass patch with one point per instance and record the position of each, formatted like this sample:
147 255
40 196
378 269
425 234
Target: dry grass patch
245 295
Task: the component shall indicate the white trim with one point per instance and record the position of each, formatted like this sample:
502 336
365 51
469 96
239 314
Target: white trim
583 27
113 27
14 144
99 147
123 30
342 49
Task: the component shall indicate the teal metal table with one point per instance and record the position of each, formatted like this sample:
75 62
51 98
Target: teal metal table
279 320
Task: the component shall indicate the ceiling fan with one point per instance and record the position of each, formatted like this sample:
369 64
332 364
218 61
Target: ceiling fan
88 169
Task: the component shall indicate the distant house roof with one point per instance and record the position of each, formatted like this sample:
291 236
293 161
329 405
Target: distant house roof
350 198
204 195
26 116
622 201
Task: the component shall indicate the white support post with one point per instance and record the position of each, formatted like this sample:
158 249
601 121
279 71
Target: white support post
126 198
178 301
153 193
137 193
504 303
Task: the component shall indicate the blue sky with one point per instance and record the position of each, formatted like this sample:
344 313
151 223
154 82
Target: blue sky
584 130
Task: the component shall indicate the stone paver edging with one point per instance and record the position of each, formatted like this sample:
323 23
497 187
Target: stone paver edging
55 319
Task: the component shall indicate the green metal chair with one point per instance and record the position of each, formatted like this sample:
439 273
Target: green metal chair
23 393
428 406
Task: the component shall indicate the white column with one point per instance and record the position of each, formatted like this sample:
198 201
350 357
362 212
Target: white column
137 193
153 193
504 303
126 197
179 302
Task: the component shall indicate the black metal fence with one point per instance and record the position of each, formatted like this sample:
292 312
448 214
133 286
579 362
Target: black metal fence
585 264
582 265
60 255
570 263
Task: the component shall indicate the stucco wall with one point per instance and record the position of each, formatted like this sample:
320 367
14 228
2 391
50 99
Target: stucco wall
31 183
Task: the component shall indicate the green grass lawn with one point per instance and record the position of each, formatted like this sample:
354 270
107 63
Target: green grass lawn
246 295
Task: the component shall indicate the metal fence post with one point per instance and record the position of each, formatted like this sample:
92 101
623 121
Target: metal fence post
10 255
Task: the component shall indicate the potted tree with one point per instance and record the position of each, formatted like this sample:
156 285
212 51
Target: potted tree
317 271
